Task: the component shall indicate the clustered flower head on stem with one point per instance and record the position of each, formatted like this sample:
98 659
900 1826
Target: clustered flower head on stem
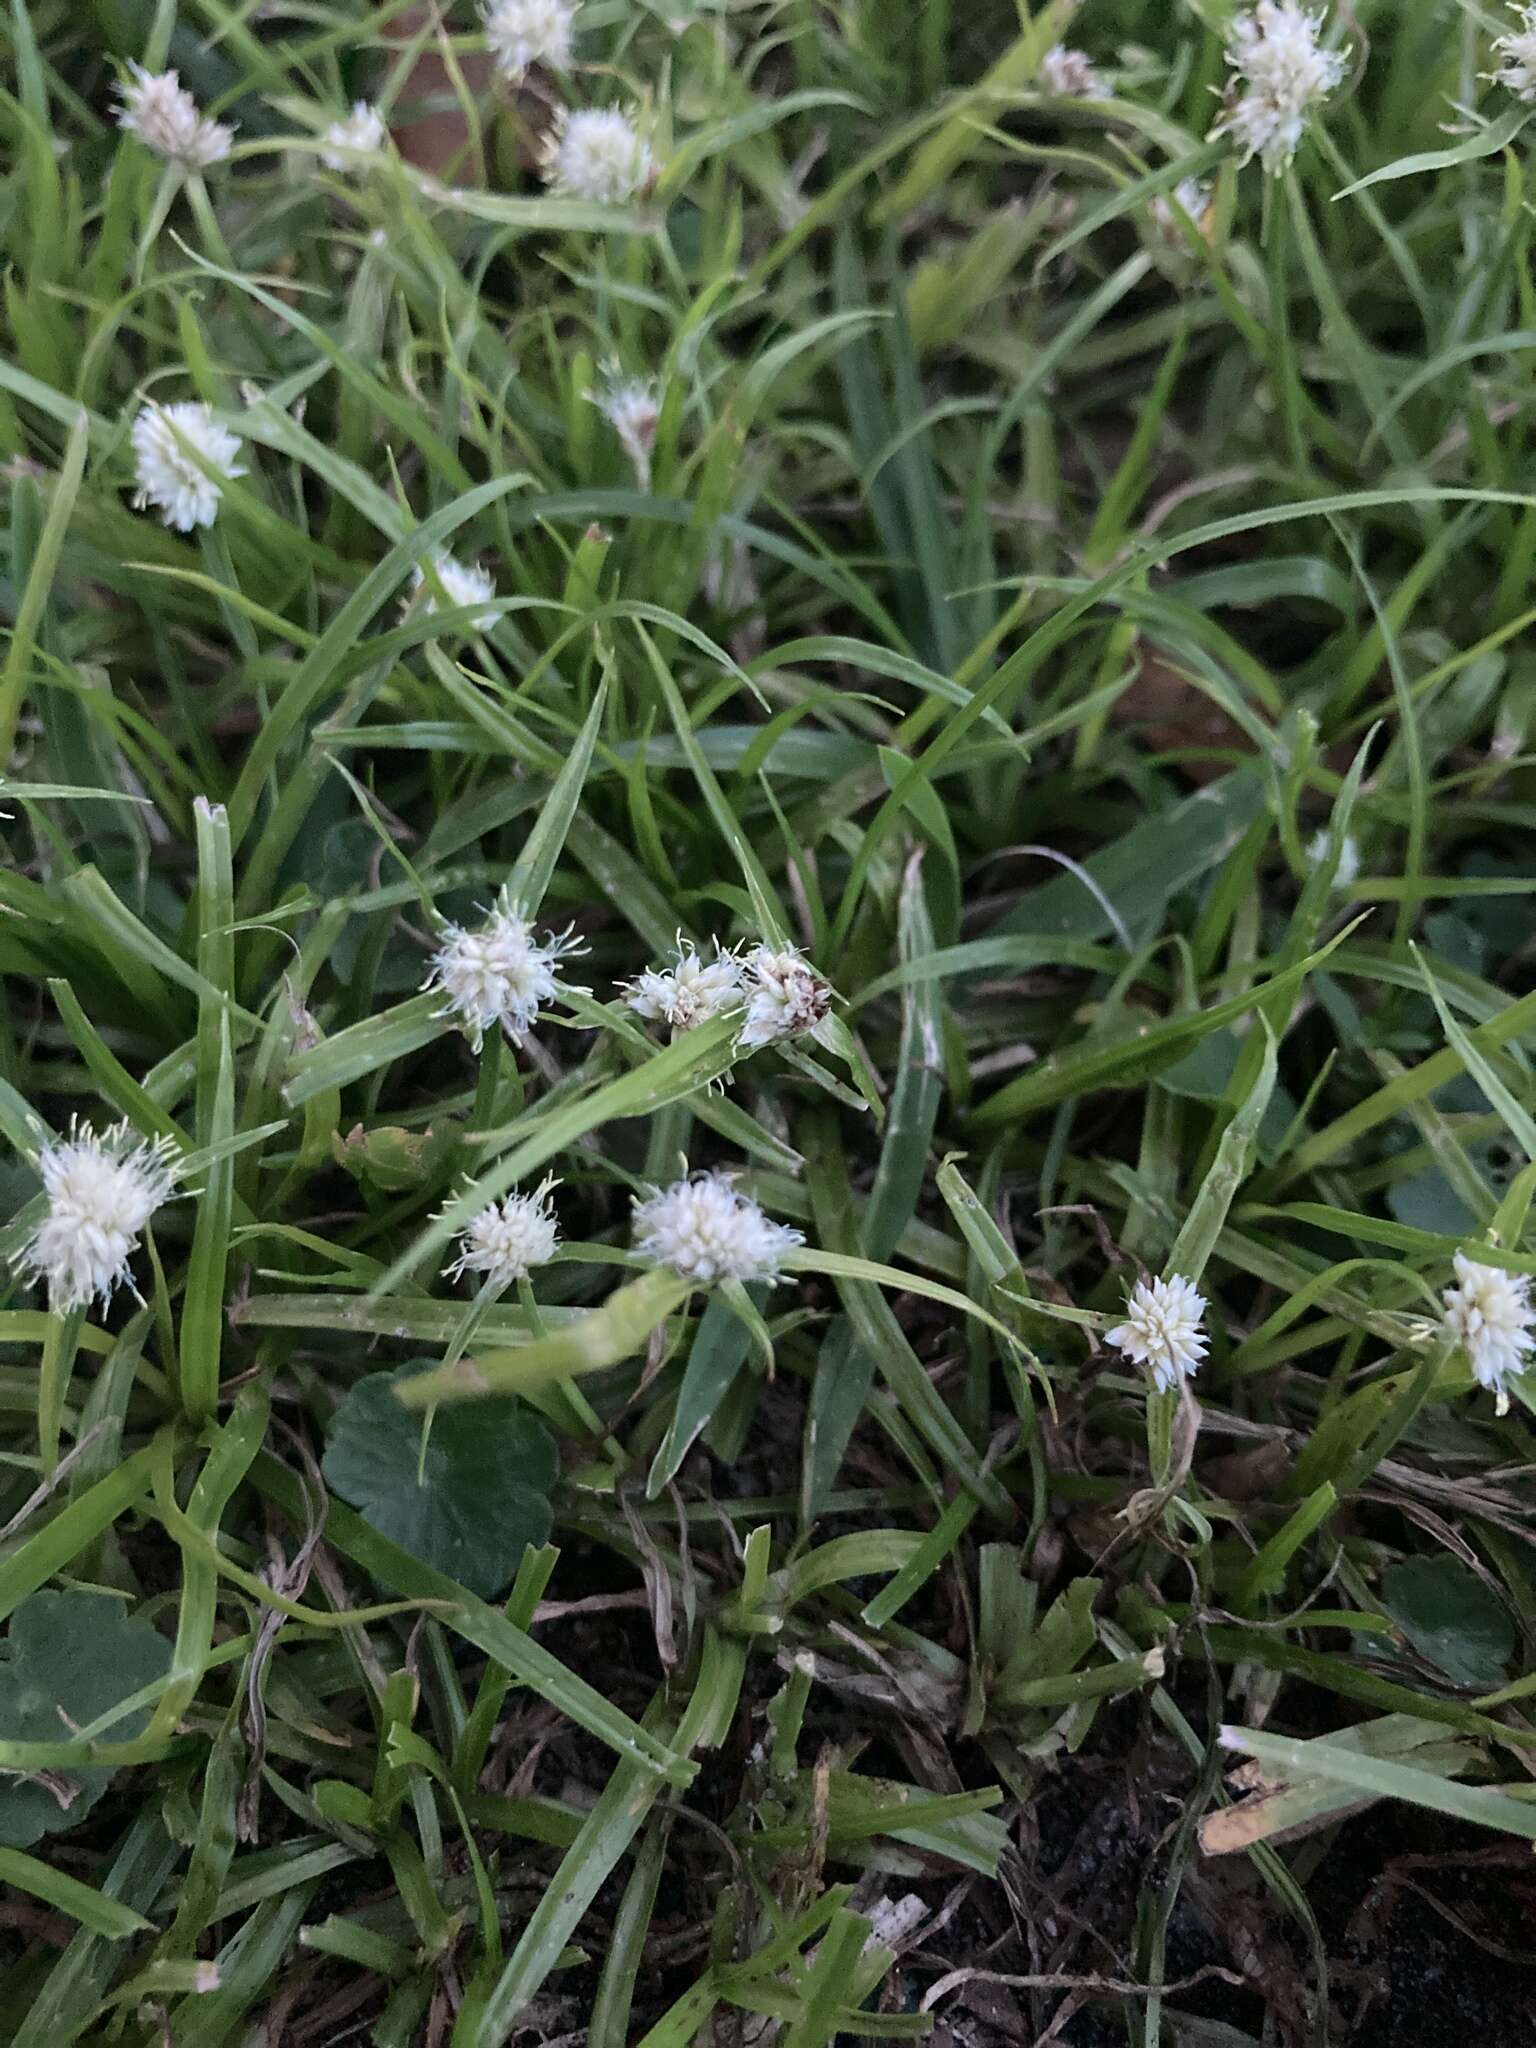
689 991
1516 50
183 458
1282 75
507 1239
462 584
632 407
1162 1330
1488 1313
158 109
522 33
705 1231
349 142
786 997
102 1189
598 154
1191 197
1071 75
497 974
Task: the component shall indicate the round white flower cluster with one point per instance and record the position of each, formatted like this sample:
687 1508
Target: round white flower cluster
1488 1313
522 33
159 110
632 407
360 135
101 1191
498 974
598 154
1283 74
1516 50
1070 75
183 459
777 990
688 992
705 1231
462 584
1162 1330
509 1238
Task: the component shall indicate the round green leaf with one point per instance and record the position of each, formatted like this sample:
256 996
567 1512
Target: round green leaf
468 1508
1451 1618
69 1658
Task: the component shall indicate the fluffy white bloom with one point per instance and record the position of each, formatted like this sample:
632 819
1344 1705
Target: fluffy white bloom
1162 1329
1489 1314
1517 49
498 973
522 33
1282 74
786 997
704 1230
1070 75
360 134
1194 197
163 114
184 458
463 583
690 991
102 1190
1349 856
632 406
598 153
507 1240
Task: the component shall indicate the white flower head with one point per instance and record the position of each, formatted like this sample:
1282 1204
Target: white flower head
523 33
102 1189
1070 75
598 153
1489 1314
462 583
498 973
1282 74
632 407
786 997
1193 197
509 1238
704 1230
1517 50
360 135
1349 856
690 991
183 458
1162 1329
163 114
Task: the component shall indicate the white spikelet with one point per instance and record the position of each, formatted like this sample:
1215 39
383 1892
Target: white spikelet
158 109
498 974
183 458
348 142
704 1230
509 1238
102 1189
1162 1329
688 992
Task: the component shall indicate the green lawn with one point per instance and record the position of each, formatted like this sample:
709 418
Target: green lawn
767 935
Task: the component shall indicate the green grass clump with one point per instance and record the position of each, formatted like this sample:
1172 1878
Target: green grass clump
1027 617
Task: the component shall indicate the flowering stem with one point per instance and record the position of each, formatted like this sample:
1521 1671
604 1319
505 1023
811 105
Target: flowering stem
60 1342
617 1330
